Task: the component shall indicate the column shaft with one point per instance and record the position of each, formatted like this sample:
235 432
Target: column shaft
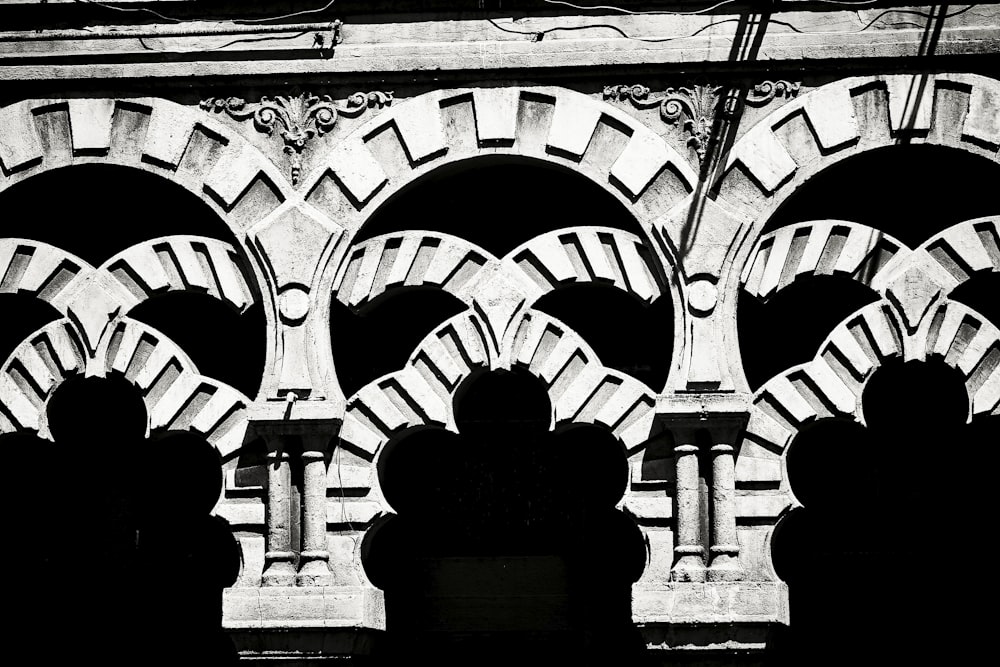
279 566
315 569
689 551
725 547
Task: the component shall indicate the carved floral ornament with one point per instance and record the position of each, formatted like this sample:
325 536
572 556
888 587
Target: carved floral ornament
699 104
297 119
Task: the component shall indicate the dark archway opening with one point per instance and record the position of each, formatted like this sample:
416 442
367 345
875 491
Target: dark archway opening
884 561
499 204
907 191
96 211
233 353
383 336
789 328
507 543
626 334
22 316
115 544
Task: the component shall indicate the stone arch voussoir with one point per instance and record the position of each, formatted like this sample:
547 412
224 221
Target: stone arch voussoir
581 389
82 131
176 396
497 119
353 180
836 129
821 247
588 254
183 264
837 132
410 259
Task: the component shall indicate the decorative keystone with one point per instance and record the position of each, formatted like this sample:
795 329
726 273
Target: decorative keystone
297 119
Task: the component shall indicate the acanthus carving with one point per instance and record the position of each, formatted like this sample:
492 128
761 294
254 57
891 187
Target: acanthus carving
697 104
298 119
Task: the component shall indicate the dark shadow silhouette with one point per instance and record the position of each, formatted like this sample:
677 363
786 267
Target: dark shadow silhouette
235 351
884 560
393 325
776 335
527 198
507 543
627 335
873 180
120 551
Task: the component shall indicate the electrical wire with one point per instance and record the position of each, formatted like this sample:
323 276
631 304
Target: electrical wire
540 34
289 16
705 10
221 46
622 10
163 17
145 10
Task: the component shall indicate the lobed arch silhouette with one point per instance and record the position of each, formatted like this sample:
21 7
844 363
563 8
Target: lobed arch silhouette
491 543
116 507
861 526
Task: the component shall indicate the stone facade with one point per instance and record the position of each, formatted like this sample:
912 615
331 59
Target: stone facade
697 144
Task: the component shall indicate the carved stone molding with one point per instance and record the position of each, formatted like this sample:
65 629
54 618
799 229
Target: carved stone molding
698 105
298 119
766 91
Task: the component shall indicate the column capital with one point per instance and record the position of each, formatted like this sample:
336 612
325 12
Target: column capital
314 434
723 416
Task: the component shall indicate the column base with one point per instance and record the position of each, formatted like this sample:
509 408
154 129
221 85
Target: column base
280 569
317 607
315 570
725 565
690 566
690 604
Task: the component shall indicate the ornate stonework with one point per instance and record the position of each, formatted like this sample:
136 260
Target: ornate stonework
297 119
700 455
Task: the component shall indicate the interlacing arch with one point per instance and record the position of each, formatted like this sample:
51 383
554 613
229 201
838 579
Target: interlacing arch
176 142
95 336
869 256
581 389
474 276
776 164
831 385
593 139
177 397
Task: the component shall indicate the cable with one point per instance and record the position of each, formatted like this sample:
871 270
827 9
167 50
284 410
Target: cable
221 46
130 9
539 34
292 15
874 20
158 15
638 13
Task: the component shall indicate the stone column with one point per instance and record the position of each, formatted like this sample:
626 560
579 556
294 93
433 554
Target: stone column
279 559
725 548
689 551
314 567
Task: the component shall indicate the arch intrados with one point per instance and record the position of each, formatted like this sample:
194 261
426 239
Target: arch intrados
839 124
927 156
93 177
460 166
